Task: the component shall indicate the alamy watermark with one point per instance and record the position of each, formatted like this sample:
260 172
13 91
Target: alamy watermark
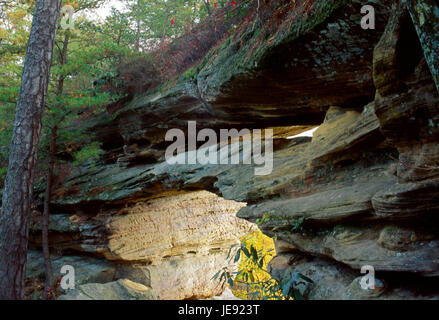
367 282
368 21
246 147
67 20
68 281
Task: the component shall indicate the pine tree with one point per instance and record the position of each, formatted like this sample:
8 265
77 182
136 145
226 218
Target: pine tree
18 186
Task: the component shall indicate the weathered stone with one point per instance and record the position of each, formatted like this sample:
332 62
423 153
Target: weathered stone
334 281
387 54
123 289
407 200
226 295
330 280
284 74
362 191
328 206
407 101
425 16
58 223
296 70
357 247
177 243
355 292
401 239
176 278
87 269
186 224
343 135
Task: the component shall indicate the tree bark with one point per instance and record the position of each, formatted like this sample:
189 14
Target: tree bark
46 212
63 61
207 5
46 218
138 26
165 27
18 187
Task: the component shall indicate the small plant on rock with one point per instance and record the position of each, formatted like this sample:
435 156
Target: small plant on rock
252 281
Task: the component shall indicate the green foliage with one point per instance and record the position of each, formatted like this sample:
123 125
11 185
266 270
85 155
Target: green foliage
89 58
265 218
147 22
6 119
295 285
296 225
90 152
191 74
3 171
254 253
105 60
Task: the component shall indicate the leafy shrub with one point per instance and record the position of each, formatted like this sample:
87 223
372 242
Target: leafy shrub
252 281
175 56
89 152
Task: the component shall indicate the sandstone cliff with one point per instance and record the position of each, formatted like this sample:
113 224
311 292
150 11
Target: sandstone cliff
363 191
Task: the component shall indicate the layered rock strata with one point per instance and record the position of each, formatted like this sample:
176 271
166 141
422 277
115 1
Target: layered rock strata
363 191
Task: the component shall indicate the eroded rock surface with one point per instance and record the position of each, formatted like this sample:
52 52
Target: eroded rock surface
362 191
123 289
87 269
174 244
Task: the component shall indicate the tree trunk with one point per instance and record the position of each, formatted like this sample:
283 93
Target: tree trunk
46 213
63 61
46 253
165 27
138 26
194 15
18 187
207 5
119 36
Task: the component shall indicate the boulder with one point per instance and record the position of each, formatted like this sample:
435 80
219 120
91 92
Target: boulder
178 278
122 289
328 206
366 245
87 269
334 281
174 244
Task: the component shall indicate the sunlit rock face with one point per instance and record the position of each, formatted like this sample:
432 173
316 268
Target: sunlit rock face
123 289
174 244
185 240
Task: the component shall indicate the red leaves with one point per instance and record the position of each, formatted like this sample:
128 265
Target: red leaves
233 3
176 56
49 293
